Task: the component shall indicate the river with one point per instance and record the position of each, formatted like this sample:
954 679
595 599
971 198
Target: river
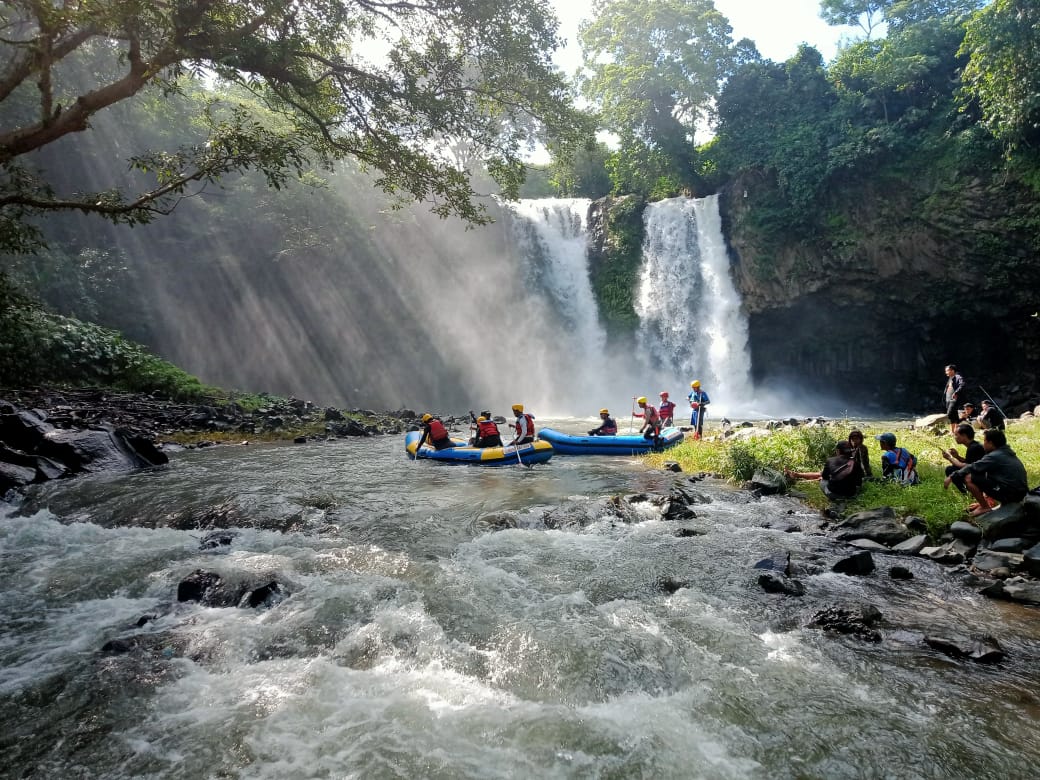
459 622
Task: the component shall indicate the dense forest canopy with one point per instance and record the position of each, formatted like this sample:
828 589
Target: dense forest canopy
393 86
926 121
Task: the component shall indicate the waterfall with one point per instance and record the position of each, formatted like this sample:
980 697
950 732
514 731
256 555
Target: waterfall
552 235
691 323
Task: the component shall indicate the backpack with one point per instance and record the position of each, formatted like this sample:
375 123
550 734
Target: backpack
844 471
904 470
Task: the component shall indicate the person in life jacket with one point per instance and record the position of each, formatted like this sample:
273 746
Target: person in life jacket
666 410
487 432
698 407
608 426
524 426
651 427
434 432
896 462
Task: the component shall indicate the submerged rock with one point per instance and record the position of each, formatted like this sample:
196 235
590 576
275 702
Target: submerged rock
985 650
859 563
857 622
771 582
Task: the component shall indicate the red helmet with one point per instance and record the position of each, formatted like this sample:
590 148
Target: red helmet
664 394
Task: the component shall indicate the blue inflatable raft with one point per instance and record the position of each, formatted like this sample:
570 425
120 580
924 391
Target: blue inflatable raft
631 444
526 454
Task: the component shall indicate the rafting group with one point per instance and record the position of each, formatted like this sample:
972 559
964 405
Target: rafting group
529 445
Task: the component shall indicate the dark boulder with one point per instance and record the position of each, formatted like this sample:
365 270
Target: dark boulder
210 590
1011 520
1031 560
900 573
985 650
966 532
99 449
858 622
772 582
767 482
879 525
858 563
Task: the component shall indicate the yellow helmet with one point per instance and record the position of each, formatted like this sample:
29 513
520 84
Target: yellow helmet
695 383
604 411
427 417
482 418
518 407
641 400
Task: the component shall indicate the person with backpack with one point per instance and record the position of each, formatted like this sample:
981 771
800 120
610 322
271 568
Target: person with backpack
842 474
896 462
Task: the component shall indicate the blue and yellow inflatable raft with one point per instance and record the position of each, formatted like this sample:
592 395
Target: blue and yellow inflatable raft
569 444
526 454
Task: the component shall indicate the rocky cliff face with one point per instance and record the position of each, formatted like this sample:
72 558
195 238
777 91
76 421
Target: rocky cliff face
898 284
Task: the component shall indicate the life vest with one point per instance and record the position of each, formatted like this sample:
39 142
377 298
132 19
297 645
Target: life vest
530 425
650 415
437 430
609 427
487 428
667 409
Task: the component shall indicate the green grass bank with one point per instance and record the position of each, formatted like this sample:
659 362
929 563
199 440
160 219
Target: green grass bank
806 449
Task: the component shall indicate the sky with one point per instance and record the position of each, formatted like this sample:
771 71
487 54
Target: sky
776 27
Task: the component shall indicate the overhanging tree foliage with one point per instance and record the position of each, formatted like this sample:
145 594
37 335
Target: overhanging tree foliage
1003 71
446 72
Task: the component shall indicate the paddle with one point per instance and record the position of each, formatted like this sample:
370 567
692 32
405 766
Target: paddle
632 421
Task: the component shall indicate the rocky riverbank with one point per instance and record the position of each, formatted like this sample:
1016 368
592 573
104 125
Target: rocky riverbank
51 433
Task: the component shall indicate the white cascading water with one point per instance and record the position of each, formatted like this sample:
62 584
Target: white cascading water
555 232
552 239
691 323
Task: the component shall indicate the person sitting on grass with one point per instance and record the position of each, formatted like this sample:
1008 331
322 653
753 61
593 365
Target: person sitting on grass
998 475
897 463
991 416
965 435
860 452
842 474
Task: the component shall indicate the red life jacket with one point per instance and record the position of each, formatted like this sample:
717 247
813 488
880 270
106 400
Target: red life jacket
667 409
650 415
530 425
487 428
437 430
608 428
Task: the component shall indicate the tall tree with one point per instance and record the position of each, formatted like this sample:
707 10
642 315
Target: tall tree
865 14
1003 71
653 68
387 83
